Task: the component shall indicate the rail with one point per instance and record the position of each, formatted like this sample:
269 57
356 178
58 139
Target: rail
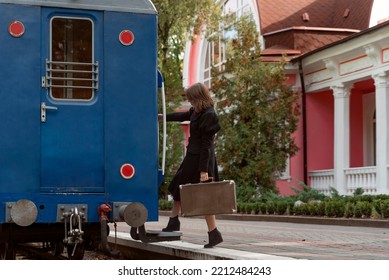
361 177
322 180
357 177
72 75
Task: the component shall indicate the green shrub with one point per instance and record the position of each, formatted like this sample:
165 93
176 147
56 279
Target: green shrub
239 207
307 193
316 204
244 207
257 207
270 207
321 208
363 209
290 209
297 210
335 208
351 199
164 204
161 204
358 191
367 197
382 196
349 210
377 204
263 208
305 209
315 209
281 207
357 212
374 213
250 207
385 208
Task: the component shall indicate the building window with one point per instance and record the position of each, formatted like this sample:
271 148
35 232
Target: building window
71 73
285 175
217 50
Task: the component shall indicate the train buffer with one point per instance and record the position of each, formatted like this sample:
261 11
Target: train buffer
135 215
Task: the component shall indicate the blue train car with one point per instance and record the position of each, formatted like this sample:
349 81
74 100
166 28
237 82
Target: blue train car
78 120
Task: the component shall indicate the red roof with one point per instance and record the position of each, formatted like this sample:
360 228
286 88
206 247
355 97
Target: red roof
305 25
275 53
347 14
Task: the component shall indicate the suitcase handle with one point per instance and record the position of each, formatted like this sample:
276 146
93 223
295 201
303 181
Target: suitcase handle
210 179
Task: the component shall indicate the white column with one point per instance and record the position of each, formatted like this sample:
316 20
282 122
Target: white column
341 136
382 138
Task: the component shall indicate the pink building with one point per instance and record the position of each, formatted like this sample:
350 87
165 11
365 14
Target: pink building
339 62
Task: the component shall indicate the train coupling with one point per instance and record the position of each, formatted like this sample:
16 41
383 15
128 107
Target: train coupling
73 229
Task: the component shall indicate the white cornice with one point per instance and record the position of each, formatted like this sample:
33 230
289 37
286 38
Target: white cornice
306 28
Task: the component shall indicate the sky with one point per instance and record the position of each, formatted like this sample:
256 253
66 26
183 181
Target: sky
380 11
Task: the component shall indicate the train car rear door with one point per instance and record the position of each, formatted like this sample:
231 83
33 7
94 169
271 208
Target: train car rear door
72 138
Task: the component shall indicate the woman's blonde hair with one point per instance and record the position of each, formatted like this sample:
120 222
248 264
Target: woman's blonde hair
198 94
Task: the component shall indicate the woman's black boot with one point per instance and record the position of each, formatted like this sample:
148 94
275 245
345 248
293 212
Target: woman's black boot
215 237
173 224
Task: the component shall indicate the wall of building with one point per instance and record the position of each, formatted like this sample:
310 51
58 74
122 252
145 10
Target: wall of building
320 130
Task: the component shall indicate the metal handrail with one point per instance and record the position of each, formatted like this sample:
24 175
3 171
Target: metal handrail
93 72
71 71
75 87
161 85
71 63
71 79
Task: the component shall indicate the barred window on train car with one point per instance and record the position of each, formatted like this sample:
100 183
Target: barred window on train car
71 73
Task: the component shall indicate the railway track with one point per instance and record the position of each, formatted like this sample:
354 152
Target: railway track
36 251
39 251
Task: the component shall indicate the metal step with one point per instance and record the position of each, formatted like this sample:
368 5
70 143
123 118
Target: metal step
149 236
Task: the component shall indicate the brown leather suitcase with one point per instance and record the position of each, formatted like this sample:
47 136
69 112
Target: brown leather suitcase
208 198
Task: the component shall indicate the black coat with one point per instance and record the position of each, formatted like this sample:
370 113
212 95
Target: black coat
200 154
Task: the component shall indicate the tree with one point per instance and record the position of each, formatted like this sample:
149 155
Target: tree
258 114
177 19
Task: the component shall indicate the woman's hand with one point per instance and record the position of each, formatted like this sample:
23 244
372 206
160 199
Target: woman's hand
204 176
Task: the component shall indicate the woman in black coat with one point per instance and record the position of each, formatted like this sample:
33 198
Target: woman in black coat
199 164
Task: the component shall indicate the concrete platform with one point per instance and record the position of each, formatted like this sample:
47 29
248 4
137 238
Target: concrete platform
254 239
184 250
